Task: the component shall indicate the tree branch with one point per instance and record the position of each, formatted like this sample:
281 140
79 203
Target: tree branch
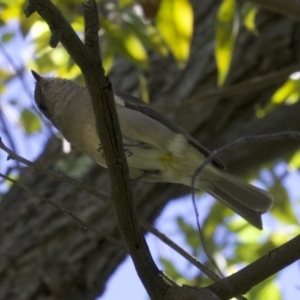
89 61
266 266
239 89
290 8
108 129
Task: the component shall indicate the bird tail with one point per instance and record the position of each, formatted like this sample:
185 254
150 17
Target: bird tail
247 200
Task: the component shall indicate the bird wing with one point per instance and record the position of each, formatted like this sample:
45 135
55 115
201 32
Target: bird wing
136 104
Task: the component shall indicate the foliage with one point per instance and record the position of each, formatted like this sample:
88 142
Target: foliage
226 33
127 33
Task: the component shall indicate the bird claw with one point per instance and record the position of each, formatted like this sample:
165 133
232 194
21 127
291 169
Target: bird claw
127 152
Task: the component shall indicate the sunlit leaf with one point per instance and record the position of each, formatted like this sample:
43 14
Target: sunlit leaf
282 209
249 12
288 92
5 77
147 33
246 233
294 162
155 40
279 238
12 10
27 23
124 3
175 23
43 63
39 28
67 70
59 56
125 43
10 183
78 24
270 291
143 88
2 89
267 289
108 59
226 33
245 256
30 121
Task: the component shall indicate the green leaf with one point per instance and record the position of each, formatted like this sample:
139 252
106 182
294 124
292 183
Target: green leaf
108 59
59 57
282 209
9 183
30 121
125 43
191 234
226 33
268 289
147 33
249 12
6 37
143 87
217 216
247 256
27 23
171 270
294 162
124 3
11 10
5 77
246 233
288 92
175 23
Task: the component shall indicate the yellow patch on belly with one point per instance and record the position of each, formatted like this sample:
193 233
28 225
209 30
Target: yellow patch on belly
170 161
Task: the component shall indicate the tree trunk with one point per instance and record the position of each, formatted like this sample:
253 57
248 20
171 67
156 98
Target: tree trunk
46 255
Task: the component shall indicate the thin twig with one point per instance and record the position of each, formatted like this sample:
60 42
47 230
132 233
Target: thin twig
241 141
66 212
254 84
56 175
202 238
7 133
290 8
214 154
193 260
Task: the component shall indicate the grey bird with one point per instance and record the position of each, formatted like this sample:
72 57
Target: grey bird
155 147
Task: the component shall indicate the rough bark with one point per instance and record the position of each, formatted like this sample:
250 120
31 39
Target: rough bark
45 255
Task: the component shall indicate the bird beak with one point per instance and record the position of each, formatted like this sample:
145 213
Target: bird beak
37 77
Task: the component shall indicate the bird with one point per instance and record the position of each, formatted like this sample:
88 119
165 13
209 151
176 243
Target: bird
156 149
